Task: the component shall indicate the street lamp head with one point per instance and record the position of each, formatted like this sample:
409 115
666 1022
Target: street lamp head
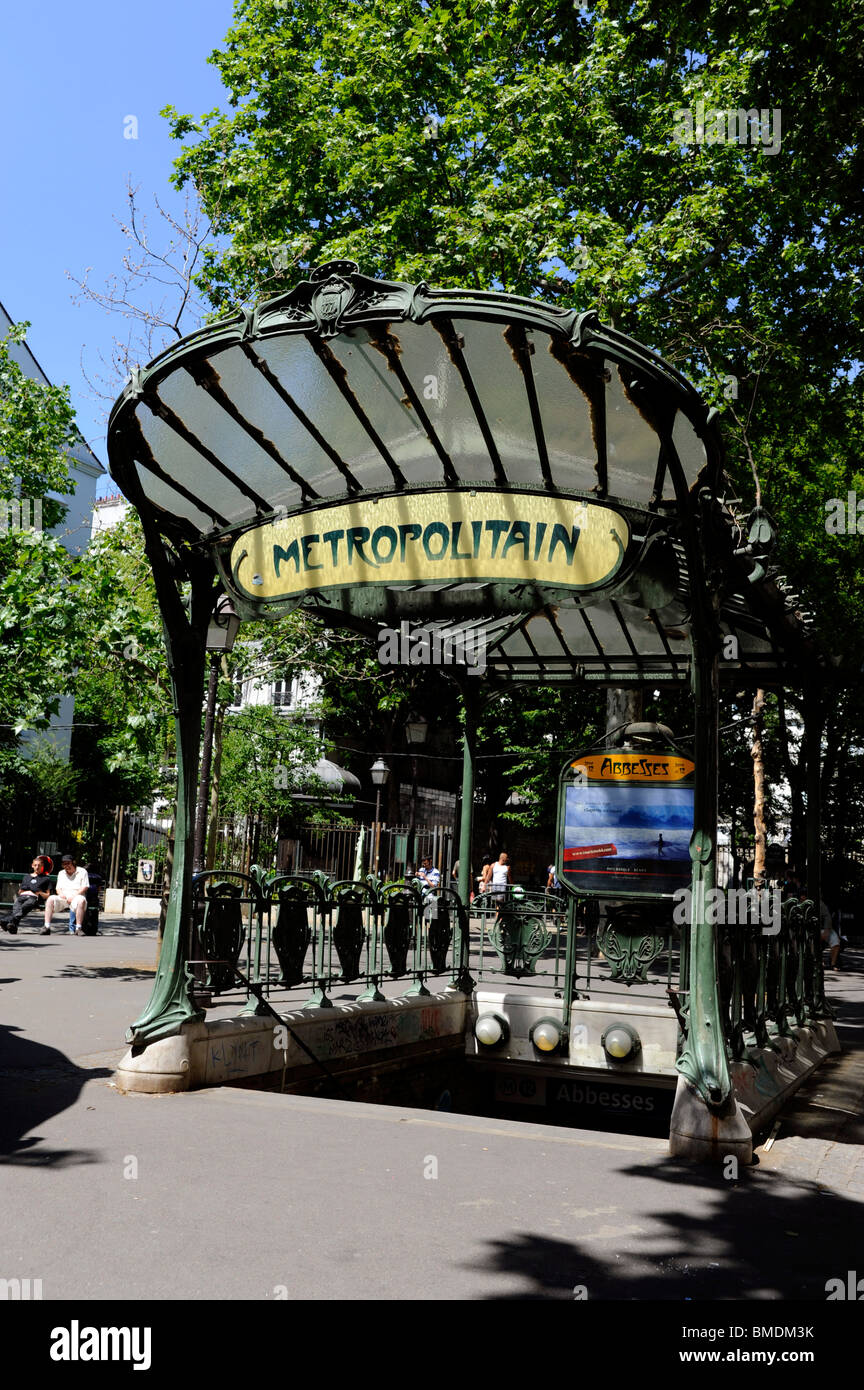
224 626
416 729
380 772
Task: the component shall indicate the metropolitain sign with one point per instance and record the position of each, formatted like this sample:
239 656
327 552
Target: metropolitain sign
432 537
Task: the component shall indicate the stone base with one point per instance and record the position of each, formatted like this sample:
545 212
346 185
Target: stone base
761 1085
233 1049
162 1066
706 1135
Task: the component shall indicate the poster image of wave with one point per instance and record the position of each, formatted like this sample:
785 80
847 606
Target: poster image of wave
627 838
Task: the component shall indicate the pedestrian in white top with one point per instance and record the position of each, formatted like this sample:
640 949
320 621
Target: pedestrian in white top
71 894
500 876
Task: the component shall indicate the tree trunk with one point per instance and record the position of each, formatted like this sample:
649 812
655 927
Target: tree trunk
757 754
167 870
624 705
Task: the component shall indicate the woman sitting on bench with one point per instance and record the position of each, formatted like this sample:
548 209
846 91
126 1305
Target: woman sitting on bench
34 891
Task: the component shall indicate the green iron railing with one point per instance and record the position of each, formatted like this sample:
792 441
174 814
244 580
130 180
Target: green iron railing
769 981
299 938
770 984
305 936
521 935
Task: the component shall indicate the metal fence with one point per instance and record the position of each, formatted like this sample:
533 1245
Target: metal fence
260 936
521 935
332 849
29 830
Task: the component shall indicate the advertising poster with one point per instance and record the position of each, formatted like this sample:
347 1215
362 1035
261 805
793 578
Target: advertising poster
627 821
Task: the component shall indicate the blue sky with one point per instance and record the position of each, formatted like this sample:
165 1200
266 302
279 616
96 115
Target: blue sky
69 75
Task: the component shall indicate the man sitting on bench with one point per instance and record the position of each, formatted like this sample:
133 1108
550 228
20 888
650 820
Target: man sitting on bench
71 895
34 890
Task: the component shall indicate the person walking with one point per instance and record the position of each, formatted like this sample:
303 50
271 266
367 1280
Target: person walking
830 935
499 877
429 876
485 873
71 896
35 889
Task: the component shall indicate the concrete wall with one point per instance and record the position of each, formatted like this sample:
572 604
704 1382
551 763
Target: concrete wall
230 1050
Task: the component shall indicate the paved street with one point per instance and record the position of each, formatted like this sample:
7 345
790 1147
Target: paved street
241 1194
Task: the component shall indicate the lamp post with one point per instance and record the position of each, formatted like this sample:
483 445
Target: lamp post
416 729
380 774
221 635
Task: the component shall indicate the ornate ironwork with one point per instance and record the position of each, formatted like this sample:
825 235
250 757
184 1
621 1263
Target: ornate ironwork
292 934
349 934
520 938
439 936
222 934
630 945
398 932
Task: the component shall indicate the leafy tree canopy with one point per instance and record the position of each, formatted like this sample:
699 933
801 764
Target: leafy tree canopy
36 430
539 149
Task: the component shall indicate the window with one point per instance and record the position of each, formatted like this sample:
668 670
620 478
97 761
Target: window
282 694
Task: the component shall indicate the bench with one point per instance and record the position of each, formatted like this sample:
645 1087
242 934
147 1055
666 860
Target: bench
10 882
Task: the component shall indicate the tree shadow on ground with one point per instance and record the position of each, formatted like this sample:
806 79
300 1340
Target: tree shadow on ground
104 972
762 1238
36 1083
141 926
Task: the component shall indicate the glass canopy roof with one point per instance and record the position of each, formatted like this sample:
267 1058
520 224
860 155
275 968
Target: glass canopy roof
348 389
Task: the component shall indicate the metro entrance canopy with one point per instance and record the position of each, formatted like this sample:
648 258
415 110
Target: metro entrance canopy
381 451
377 452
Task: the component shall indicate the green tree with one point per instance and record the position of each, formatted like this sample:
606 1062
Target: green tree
534 148
124 742
36 431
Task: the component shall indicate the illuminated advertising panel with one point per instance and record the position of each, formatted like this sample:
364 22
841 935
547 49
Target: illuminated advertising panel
625 823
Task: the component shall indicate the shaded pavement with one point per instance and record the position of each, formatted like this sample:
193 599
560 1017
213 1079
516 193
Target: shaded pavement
232 1194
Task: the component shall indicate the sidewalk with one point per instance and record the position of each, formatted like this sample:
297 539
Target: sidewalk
232 1194
820 1135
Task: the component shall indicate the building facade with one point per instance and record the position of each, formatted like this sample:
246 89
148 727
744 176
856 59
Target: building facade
75 529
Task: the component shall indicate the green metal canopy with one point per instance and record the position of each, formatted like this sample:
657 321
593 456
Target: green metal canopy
384 453
380 451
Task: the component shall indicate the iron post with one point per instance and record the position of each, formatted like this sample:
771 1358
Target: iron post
206 762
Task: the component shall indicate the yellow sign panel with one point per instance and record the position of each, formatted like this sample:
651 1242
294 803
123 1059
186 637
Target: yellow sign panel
634 767
432 537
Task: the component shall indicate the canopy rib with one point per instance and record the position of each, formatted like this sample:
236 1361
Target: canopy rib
144 456
452 342
516 338
207 378
384 342
287 399
339 376
164 412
